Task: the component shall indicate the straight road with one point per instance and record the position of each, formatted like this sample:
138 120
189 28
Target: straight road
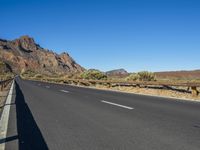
50 116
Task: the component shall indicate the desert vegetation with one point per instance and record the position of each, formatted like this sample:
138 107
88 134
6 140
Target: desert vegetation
141 76
93 74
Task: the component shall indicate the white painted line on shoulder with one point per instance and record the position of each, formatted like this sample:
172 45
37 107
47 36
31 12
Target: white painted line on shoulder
64 91
115 104
47 87
5 117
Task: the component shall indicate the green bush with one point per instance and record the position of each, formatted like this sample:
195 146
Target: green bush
142 76
93 75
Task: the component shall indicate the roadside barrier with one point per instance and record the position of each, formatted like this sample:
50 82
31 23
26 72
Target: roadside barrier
4 83
193 86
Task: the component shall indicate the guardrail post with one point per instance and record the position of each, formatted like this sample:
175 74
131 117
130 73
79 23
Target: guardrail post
188 88
119 86
108 85
78 83
195 92
137 85
1 87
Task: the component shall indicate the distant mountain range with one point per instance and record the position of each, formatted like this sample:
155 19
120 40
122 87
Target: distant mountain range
193 74
24 54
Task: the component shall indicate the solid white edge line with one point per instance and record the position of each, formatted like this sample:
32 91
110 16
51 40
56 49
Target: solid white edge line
64 91
115 104
5 117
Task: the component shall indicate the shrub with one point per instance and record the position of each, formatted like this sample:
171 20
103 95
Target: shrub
93 74
146 76
132 77
141 76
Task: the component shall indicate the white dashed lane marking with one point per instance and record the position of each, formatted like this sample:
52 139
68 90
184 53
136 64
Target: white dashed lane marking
115 104
64 91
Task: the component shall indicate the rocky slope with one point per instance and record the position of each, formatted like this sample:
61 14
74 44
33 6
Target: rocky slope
24 54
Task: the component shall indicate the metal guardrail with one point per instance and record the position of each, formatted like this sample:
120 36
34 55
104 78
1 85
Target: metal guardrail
184 84
192 85
110 83
4 83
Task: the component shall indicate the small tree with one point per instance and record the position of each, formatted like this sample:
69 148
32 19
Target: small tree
93 74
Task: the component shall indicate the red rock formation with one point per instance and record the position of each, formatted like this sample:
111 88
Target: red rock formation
24 54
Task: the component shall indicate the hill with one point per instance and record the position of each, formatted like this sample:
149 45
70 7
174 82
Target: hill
117 73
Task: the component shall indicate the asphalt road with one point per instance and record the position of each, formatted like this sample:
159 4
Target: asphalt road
50 116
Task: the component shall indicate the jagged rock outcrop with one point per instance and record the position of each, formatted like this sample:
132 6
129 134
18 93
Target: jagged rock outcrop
24 54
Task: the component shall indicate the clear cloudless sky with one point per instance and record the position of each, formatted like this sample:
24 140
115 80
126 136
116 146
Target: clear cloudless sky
154 35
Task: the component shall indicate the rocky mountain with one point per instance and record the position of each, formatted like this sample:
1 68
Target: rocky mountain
24 54
117 73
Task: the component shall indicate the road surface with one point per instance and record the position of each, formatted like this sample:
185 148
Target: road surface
57 117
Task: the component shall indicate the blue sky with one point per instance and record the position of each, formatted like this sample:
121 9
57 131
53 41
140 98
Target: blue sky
154 35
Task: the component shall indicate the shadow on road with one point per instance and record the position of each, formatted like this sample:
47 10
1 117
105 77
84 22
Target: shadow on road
8 139
30 137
